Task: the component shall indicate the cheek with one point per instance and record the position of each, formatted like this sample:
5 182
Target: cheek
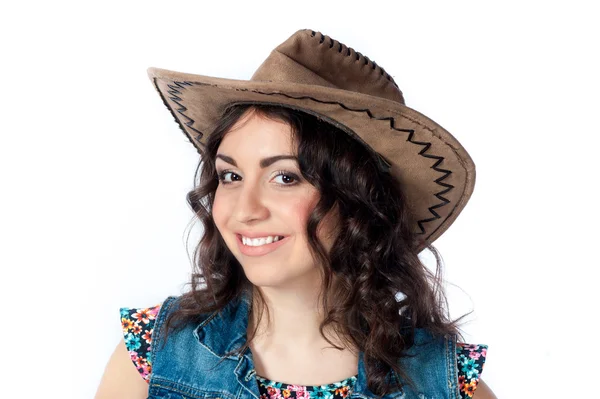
298 213
219 211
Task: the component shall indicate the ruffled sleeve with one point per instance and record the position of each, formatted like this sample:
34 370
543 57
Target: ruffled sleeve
138 325
470 359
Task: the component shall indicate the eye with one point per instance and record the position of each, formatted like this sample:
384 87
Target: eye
286 177
225 173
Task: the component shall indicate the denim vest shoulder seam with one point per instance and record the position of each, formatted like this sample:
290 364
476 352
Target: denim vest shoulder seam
163 312
451 367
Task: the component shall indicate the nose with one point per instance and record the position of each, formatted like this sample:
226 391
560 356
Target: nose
250 205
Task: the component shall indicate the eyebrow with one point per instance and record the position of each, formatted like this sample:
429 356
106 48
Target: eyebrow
263 162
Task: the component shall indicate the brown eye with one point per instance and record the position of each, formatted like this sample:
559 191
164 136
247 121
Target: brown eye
287 178
224 173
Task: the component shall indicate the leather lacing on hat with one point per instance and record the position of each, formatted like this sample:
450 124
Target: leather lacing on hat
350 51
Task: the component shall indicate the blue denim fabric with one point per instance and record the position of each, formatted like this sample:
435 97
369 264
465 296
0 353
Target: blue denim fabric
191 363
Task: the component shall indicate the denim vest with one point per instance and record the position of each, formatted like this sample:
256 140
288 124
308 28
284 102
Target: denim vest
191 363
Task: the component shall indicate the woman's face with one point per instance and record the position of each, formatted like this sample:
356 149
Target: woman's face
260 196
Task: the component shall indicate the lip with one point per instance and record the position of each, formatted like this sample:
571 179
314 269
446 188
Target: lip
259 251
256 234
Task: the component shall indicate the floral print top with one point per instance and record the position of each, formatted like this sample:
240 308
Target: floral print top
138 325
276 390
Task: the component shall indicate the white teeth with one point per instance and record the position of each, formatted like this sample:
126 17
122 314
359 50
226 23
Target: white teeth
256 242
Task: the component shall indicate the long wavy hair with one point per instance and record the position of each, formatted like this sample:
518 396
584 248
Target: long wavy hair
382 290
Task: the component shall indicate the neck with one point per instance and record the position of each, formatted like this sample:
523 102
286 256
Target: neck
289 315
290 325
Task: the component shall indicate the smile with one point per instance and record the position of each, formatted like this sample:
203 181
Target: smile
260 250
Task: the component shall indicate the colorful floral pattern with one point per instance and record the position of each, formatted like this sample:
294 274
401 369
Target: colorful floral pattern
138 324
276 390
470 359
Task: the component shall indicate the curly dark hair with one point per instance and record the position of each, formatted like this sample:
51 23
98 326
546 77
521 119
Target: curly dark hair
382 290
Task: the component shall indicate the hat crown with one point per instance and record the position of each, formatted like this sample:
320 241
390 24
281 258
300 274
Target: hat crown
309 57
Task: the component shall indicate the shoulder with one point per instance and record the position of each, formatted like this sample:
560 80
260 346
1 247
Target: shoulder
120 378
138 326
470 359
484 392
129 367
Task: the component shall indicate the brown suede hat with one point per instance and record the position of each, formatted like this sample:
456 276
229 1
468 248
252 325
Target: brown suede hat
321 76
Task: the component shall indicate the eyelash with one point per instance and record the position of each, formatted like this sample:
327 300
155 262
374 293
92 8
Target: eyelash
277 173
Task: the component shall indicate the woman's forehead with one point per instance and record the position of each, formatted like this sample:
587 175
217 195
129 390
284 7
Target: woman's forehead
258 134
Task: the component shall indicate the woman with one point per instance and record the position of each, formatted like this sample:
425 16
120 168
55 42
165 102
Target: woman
318 189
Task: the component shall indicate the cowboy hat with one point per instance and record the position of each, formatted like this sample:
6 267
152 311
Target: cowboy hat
321 76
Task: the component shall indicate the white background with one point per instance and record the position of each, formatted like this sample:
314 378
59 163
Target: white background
94 171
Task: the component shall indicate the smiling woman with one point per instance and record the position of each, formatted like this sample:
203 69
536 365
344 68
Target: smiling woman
315 203
257 199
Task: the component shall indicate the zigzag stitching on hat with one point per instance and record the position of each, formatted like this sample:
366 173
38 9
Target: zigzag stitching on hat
439 181
182 108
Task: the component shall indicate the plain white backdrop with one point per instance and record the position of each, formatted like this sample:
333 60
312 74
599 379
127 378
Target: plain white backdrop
94 171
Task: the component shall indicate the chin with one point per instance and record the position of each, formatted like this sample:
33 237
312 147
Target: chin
263 278
276 277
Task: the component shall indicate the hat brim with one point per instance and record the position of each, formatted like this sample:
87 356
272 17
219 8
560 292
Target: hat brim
435 171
